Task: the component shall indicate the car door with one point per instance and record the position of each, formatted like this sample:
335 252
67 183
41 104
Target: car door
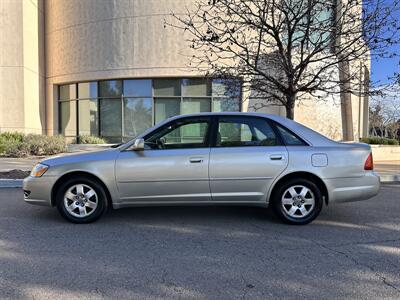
246 157
173 167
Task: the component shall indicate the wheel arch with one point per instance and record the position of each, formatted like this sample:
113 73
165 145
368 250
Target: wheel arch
72 174
307 175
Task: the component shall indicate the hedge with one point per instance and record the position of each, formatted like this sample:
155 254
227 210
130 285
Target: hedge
89 139
21 145
376 140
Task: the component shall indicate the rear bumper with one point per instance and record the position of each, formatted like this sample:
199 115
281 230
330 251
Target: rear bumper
37 190
353 189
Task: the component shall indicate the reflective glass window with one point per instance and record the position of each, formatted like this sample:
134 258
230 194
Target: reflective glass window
138 116
165 108
195 105
87 90
137 88
226 104
111 119
110 88
68 118
196 87
167 87
67 92
88 117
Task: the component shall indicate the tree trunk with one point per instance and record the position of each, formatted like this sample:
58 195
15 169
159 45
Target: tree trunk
290 100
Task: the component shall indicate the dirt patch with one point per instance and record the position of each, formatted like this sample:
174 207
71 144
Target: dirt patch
14 174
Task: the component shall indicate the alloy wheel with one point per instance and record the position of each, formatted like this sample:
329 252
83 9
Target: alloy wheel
80 200
298 201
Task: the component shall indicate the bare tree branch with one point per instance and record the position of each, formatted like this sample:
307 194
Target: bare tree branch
285 48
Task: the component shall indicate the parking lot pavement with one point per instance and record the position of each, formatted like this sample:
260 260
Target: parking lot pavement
351 251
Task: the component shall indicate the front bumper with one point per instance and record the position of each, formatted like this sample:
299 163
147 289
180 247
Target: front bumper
353 189
37 190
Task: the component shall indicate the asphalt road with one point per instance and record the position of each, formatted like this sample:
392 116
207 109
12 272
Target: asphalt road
351 251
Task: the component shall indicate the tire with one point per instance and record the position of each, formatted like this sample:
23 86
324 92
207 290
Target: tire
297 201
81 207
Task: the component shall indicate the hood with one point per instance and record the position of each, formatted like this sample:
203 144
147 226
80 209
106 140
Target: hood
70 158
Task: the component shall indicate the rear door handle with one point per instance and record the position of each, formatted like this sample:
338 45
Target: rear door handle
196 160
276 157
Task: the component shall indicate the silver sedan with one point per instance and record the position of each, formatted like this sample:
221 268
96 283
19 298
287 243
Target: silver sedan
215 159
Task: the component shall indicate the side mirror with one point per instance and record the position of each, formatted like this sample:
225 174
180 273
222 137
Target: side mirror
138 145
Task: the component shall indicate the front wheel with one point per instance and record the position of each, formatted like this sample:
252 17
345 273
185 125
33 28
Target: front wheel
81 200
297 201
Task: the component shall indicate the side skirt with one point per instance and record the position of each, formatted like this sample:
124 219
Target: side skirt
189 203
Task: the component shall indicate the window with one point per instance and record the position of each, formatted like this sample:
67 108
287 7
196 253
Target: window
226 95
289 138
67 92
111 119
196 87
226 88
189 133
137 116
195 105
166 108
111 88
226 104
88 117
167 87
118 110
87 90
68 118
137 88
241 132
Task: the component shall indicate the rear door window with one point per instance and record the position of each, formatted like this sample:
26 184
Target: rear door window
245 132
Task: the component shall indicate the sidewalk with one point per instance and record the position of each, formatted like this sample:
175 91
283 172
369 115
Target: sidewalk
389 170
387 167
24 164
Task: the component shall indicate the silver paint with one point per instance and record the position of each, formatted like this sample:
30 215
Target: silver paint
231 175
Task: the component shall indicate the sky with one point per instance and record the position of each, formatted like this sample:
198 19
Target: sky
381 68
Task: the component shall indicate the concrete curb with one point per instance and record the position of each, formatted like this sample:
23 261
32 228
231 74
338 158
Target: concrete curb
11 183
390 178
17 183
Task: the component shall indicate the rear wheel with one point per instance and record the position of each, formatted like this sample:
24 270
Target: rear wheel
297 201
81 200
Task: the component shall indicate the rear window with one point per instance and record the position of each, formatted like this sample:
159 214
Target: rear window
289 138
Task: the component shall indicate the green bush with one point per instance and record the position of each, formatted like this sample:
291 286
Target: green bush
10 141
45 145
17 136
14 148
20 145
376 140
89 139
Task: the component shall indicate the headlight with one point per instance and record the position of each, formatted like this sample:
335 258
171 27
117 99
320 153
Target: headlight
39 170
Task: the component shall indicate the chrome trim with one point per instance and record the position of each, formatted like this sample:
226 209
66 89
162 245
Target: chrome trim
240 178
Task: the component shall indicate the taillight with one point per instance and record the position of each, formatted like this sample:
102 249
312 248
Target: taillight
369 163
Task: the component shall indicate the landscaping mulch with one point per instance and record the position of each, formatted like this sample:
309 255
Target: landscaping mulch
14 174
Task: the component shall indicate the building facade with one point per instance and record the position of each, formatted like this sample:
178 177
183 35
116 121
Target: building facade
111 68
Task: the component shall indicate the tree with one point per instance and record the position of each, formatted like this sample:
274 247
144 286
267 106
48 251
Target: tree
283 49
384 113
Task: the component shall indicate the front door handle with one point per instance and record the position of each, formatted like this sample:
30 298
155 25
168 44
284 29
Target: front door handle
276 157
196 160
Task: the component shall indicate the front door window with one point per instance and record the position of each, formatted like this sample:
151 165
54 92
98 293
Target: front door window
180 134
